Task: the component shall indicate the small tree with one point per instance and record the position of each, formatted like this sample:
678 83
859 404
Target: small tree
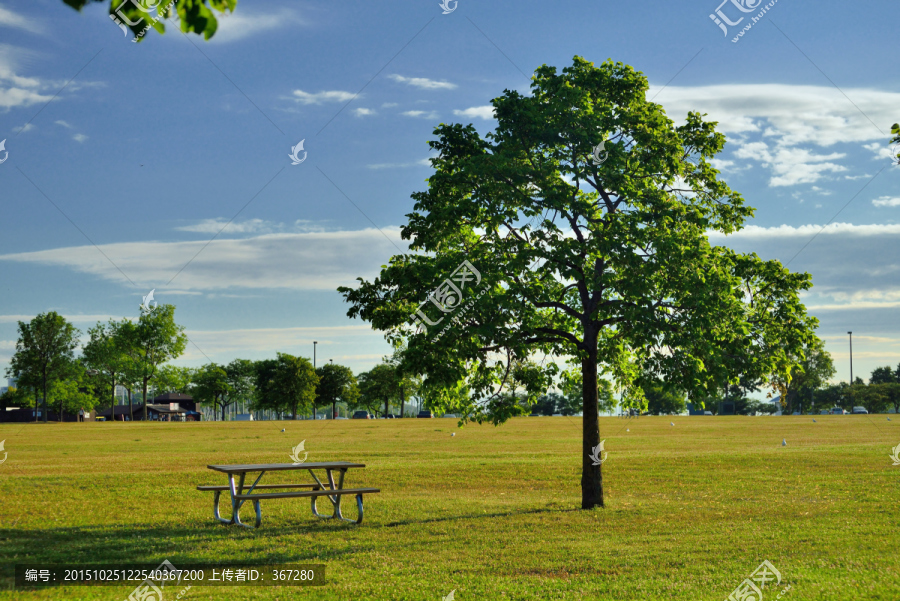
150 342
336 383
573 389
72 393
44 353
103 355
211 385
294 383
811 372
661 399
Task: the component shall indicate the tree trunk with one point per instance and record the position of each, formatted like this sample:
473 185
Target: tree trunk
130 405
45 397
144 394
334 410
35 405
385 408
591 476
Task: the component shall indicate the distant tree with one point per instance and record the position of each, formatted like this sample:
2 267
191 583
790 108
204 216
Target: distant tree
336 383
548 404
891 392
103 355
150 342
874 397
379 386
661 399
44 352
885 375
768 408
572 385
195 16
265 395
241 377
810 373
294 383
173 379
211 385
73 393
18 396
833 395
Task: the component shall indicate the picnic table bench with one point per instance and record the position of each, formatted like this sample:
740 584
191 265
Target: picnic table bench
239 495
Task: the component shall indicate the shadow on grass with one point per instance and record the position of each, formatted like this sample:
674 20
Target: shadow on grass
475 516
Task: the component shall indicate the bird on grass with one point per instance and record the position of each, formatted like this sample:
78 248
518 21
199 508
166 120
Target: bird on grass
815 422
671 423
783 442
282 429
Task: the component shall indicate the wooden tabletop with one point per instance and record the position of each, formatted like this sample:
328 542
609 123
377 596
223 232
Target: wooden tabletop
274 467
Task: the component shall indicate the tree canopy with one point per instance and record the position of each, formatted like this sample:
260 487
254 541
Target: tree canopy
532 246
195 16
44 353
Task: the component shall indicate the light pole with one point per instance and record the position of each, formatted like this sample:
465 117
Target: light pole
314 353
851 357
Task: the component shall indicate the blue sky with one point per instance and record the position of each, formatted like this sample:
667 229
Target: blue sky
135 155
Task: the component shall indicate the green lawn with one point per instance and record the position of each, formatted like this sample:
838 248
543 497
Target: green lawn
493 512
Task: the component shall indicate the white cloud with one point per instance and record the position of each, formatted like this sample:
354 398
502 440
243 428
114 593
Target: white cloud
9 18
243 23
786 117
423 82
422 162
481 112
72 318
23 128
389 105
15 90
887 201
63 123
421 114
322 97
302 261
804 231
363 112
79 137
215 226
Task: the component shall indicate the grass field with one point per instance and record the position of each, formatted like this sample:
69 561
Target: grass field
491 513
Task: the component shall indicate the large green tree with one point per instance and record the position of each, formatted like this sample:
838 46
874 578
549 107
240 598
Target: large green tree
150 342
336 384
44 353
196 16
612 265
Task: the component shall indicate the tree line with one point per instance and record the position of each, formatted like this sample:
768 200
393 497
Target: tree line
135 355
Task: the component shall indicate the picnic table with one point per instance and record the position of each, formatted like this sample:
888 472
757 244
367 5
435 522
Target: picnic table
333 491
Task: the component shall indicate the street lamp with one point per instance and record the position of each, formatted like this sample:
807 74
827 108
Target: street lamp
314 353
851 357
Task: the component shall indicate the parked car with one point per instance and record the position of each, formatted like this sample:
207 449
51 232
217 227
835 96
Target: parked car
389 416
860 410
707 413
837 411
824 412
425 414
361 415
342 418
453 415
